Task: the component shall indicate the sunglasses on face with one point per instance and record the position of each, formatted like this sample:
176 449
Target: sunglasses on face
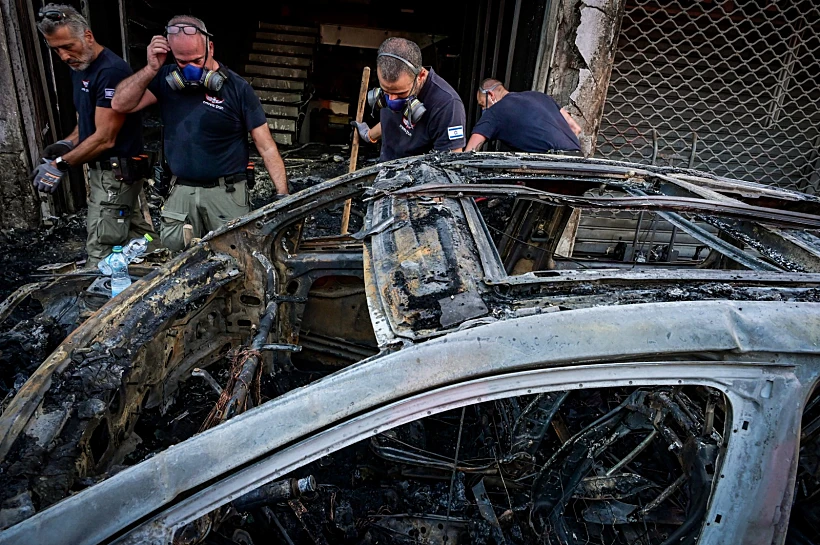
52 15
190 30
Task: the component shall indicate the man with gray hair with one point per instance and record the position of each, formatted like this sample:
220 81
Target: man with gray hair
418 111
109 142
208 111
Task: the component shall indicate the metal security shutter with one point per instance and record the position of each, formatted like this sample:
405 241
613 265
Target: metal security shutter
727 86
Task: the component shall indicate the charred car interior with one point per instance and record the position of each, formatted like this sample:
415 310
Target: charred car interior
460 367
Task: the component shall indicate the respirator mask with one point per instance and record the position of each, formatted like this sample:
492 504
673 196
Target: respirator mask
191 76
411 107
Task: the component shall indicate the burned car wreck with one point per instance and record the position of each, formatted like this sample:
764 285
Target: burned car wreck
443 374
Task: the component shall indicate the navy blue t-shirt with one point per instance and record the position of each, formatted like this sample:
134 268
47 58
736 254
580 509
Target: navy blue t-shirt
206 133
527 121
94 87
441 128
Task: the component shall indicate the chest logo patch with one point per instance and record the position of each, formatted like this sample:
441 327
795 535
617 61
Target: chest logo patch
454 133
85 85
213 102
406 126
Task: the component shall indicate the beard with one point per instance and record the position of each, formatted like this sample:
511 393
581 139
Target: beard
83 61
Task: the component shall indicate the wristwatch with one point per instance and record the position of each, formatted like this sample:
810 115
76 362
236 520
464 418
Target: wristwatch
62 164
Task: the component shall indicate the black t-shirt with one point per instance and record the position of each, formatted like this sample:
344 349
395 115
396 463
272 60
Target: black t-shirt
441 128
94 87
527 121
206 133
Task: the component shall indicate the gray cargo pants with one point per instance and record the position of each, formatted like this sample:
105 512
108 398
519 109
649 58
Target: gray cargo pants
204 208
114 215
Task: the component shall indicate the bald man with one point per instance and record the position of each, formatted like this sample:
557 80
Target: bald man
208 111
528 121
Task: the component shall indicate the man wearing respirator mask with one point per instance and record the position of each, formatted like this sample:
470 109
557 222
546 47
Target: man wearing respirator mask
207 111
418 111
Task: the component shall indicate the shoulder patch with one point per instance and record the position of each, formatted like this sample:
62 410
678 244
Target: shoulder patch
109 93
455 132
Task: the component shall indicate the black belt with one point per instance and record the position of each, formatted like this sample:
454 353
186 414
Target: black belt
229 179
100 165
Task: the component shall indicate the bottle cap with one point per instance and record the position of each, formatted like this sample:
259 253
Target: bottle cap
148 237
117 249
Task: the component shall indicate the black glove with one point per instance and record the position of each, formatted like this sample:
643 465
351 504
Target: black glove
46 177
363 130
57 149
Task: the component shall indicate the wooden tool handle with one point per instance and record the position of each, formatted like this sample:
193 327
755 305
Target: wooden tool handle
354 148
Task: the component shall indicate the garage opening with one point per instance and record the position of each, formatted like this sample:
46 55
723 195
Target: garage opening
305 59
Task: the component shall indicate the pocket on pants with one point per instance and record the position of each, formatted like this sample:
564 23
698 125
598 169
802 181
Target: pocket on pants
171 231
241 196
114 223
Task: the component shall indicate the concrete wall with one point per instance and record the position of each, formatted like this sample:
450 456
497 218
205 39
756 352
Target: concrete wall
579 48
18 201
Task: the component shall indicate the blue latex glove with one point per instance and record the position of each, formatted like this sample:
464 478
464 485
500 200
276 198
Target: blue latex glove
47 177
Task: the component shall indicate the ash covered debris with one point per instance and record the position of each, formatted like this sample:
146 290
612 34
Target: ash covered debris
593 466
30 332
306 166
22 251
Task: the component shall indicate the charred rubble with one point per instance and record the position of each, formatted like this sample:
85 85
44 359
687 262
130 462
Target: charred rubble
280 298
596 466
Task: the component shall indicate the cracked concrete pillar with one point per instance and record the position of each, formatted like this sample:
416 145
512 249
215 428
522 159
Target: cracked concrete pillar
585 41
17 198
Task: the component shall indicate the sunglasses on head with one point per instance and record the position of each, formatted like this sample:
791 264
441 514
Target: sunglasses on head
487 91
51 14
185 28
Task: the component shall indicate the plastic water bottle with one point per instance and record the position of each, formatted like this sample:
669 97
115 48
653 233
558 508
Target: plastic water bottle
119 271
104 265
135 248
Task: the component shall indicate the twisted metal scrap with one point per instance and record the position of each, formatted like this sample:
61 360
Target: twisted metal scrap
238 358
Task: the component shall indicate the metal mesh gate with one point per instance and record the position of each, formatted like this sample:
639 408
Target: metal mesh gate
727 86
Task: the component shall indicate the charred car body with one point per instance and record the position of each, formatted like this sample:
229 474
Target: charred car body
442 375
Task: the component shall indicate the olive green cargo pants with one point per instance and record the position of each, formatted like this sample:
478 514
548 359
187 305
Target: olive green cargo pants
114 215
204 208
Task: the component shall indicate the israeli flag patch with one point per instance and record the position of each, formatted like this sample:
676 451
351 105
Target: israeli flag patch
455 132
109 93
